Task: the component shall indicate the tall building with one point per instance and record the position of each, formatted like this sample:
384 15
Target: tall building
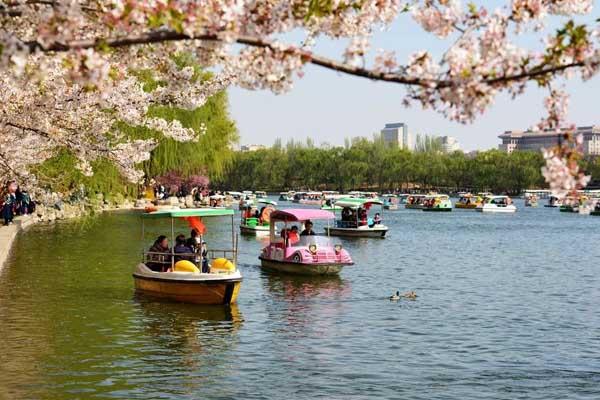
252 147
537 140
397 135
449 144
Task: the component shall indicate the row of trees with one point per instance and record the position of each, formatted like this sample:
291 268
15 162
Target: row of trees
368 164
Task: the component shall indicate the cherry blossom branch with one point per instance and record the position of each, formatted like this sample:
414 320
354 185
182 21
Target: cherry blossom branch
307 56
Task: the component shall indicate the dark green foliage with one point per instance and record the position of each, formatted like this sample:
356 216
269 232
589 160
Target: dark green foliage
372 165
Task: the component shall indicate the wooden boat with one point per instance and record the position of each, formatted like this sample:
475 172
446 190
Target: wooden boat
355 226
437 203
183 280
250 224
302 255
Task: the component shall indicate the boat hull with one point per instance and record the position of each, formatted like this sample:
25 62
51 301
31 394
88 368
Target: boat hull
357 232
466 206
413 206
288 267
437 209
595 213
391 207
497 210
567 209
254 230
197 291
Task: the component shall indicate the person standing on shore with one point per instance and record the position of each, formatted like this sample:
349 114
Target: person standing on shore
9 203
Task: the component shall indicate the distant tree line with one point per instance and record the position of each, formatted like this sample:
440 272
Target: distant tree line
371 164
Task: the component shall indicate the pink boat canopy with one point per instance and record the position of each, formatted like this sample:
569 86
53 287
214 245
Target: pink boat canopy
300 214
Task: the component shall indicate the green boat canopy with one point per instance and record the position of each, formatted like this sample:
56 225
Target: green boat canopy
352 202
189 212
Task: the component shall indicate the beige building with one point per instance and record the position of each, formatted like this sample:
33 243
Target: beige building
537 140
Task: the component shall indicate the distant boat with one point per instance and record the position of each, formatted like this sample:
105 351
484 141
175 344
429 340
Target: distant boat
357 227
437 203
497 204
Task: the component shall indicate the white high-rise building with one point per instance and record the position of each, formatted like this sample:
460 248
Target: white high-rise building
396 134
449 144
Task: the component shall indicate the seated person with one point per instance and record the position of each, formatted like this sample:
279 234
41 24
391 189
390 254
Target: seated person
160 259
377 219
293 236
182 248
362 214
194 241
308 231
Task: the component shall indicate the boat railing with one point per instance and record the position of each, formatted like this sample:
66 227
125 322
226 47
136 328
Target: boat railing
169 258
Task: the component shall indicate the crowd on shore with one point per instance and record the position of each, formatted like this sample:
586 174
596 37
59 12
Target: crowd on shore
15 201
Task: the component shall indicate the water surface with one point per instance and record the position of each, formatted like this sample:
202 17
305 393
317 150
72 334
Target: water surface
508 308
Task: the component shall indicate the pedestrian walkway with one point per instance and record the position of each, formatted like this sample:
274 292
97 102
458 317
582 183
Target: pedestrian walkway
8 234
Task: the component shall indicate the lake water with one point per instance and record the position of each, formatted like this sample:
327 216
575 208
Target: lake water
508 308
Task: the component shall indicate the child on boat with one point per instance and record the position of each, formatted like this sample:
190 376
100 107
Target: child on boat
377 219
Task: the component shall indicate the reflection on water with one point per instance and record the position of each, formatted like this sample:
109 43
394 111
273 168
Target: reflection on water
304 297
503 312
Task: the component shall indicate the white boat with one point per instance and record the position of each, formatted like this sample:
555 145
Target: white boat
497 204
354 221
287 196
553 202
259 194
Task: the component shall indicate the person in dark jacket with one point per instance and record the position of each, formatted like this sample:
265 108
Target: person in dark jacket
308 231
181 247
160 259
10 202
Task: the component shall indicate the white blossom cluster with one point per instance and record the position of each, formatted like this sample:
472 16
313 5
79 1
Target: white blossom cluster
66 65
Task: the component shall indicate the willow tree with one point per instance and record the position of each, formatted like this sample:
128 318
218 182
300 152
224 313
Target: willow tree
209 153
63 61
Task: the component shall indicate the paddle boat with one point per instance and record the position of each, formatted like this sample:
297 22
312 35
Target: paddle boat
553 202
291 253
251 224
572 204
468 201
287 196
531 200
497 204
390 201
183 280
415 201
437 203
308 198
259 194
330 205
354 221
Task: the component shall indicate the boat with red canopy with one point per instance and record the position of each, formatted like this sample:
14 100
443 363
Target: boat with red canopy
303 254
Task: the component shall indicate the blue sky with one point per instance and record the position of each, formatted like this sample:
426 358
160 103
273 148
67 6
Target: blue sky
328 106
